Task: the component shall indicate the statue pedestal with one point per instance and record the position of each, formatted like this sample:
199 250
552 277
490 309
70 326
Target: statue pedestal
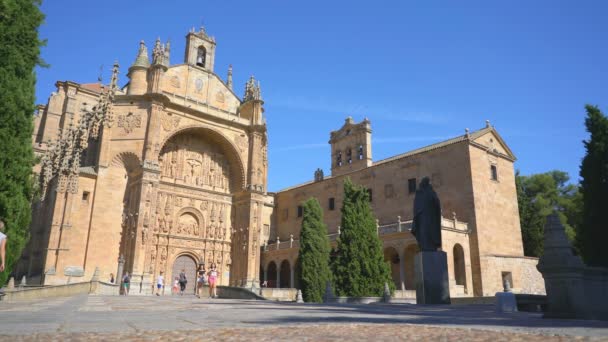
505 302
431 274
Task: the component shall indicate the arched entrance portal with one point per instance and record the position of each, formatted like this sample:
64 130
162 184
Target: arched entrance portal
200 171
184 262
272 275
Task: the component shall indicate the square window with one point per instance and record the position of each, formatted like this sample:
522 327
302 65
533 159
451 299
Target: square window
411 185
300 210
85 196
332 203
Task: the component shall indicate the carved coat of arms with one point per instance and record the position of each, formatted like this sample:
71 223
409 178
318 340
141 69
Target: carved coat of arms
169 122
129 121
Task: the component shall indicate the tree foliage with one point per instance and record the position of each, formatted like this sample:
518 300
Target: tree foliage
593 232
359 269
538 196
19 55
314 253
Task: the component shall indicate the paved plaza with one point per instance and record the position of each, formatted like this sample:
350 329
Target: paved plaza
190 318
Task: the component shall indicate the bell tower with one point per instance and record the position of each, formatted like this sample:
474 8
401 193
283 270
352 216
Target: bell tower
200 49
351 147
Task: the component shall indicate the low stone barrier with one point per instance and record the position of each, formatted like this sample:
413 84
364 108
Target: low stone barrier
357 300
32 293
54 291
283 294
235 293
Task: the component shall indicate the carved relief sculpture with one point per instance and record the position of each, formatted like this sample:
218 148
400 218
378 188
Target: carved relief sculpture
129 121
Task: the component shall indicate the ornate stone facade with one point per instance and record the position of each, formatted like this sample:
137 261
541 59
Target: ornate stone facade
171 166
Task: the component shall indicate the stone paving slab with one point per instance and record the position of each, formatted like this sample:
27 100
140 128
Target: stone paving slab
136 317
342 332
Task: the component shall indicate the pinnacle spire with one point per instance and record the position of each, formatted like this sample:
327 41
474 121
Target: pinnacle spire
142 59
252 90
229 79
160 53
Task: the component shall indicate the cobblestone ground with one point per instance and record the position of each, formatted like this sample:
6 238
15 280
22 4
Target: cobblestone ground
99 318
349 332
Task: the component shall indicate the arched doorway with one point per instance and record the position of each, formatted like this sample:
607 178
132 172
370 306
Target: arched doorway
285 274
459 267
410 253
187 263
208 165
272 275
262 274
392 258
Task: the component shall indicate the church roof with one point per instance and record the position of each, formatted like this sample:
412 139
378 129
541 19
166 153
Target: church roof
96 87
461 138
471 136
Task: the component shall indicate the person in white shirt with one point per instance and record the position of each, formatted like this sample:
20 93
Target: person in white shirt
2 246
159 283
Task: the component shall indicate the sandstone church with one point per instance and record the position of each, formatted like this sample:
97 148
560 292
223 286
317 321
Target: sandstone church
170 171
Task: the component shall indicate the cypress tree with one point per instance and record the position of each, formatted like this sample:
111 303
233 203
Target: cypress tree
19 55
360 269
593 232
314 252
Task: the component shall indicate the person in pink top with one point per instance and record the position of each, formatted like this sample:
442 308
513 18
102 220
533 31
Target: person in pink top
212 280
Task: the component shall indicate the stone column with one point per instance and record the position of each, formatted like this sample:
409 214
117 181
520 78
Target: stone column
118 278
402 269
278 277
292 277
146 207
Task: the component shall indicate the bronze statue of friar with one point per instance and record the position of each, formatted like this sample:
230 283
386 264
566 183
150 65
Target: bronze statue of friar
426 226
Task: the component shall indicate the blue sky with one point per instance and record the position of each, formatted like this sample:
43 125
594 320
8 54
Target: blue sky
422 71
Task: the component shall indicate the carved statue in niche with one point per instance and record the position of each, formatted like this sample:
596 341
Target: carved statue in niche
187 224
168 224
146 218
144 235
212 214
211 230
159 202
168 206
197 162
152 258
156 226
228 259
222 211
165 225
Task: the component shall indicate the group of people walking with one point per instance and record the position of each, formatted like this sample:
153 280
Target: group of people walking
203 277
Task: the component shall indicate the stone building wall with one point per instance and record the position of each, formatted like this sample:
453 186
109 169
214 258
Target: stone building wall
523 277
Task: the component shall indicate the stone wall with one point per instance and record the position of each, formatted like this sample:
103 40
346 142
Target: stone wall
237 293
524 277
53 291
280 294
